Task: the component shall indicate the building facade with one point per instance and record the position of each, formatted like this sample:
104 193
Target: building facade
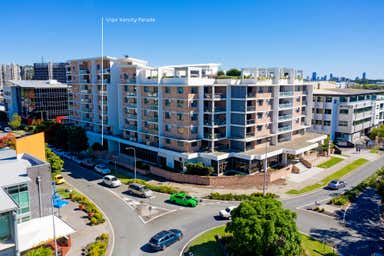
32 100
174 114
347 114
49 71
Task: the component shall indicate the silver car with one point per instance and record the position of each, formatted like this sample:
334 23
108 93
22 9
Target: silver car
111 181
139 190
336 184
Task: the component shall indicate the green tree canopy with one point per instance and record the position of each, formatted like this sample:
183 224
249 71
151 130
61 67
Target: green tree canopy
220 73
261 226
233 72
77 139
55 161
15 121
3 117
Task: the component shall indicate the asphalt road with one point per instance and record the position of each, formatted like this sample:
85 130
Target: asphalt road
131 234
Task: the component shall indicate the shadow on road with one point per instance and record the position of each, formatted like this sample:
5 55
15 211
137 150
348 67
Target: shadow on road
147 248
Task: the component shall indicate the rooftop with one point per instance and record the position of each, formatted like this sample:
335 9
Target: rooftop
6 203
344 91
37 83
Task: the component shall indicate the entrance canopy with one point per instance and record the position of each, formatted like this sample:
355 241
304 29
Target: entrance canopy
38 231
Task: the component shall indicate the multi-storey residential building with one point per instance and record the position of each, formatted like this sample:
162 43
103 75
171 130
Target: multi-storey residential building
346 114
45 100
174 114
49 71
9 72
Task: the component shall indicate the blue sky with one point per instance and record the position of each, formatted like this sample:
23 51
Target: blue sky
344 37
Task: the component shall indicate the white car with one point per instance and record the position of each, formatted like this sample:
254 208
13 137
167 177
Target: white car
111 181
7 129
102 169
226 213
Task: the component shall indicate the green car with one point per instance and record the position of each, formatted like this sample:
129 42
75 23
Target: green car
184 199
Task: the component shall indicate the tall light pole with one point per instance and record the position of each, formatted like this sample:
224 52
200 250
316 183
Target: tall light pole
134 157
265 168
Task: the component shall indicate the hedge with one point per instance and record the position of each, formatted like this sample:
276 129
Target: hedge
239 197
161 188
99 247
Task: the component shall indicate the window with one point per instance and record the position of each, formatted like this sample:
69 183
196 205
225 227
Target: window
297 120
318 122
343 123
180 116
319 111
180 103
180 130
260 102
167 127
194 90
270 89
167 141
194 116
194 144
167 102
146 89
319 99
146 101
194 103
260 90
298 99
194 130
167 90
344 111
327 123
167 115
98 66
259 128
180 143
5 226
180 90
328 111
343 99
259 115
328 99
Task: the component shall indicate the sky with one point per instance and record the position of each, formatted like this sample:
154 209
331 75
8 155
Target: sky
343 37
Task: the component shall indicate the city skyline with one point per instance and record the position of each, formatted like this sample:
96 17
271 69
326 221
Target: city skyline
322 36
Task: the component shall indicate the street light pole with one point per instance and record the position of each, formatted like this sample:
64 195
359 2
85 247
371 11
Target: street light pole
265 168
54 227
134 159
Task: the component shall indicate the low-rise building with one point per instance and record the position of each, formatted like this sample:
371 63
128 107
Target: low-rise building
32 100
346 114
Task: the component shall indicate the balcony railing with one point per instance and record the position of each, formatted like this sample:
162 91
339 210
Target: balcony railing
285 128
151 94
214 96
215 122
214 136
131 94
285 105
131 105
251 108
151 119
131 127
284 94
132 116
83 71
251 121
285 117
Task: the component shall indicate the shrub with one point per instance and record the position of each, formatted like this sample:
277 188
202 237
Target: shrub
39 251
239 197
93 221
99 247
198 169
161 188
340 200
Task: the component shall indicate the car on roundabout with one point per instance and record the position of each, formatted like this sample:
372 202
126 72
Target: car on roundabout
183 199
165 238
226 213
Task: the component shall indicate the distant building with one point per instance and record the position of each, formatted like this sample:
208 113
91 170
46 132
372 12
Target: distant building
9 72
314 76
346 114
26 72
330 76
364 76
48 71
36 100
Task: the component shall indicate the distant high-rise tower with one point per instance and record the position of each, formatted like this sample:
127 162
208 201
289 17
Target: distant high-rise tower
48 71
330 76
364 76
314 76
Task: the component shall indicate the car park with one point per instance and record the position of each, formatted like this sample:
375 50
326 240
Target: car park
336 184
59 179
111 181
139 190
184 200
102 169
165 238
226 213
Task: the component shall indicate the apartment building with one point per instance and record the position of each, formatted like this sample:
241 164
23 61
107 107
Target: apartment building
32 99
174 114
49 71
347 114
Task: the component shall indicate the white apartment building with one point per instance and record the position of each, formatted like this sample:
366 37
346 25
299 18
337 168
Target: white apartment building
347 114
174 114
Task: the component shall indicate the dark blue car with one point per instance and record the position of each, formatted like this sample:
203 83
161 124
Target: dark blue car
165 238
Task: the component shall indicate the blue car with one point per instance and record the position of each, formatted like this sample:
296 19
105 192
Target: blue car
165 238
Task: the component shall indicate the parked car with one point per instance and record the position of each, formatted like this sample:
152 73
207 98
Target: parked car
102 169
226 213
59 179
139 190
165 238
336 184
76 159
7 129
111 181
88 163
184 199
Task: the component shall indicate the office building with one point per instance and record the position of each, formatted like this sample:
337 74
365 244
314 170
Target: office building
364 76
26 72
32 100
346 114
314 76
49 71
174 114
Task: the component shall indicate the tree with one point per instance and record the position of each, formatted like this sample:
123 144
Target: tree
55 161
220 73
261 226
15 121
97 147
324 146
8 140
77 139
233 72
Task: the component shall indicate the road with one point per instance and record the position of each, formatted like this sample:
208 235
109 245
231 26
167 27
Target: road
132 234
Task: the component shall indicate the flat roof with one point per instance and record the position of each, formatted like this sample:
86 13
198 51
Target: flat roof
38 83
344 91
40 230
6 203
13 172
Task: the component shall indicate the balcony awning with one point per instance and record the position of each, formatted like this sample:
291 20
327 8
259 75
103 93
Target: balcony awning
38 231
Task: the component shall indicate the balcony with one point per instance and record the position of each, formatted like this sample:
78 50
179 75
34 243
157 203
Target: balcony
251 108
285 117
131 127
153 107
285 105
85 91
132 116
286 94
83 71
151 94
251 121
131 105
131 94
214 123
285 128
214 136
214 96
153 119
128 81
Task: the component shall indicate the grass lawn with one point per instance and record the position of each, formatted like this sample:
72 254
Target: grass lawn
206 244
330 162
314 247
337 175
374 150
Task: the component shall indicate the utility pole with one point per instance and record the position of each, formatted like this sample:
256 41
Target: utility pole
265 168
